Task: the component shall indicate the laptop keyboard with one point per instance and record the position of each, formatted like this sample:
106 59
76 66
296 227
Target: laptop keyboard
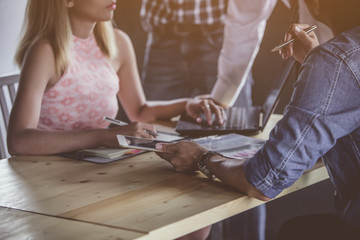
234 118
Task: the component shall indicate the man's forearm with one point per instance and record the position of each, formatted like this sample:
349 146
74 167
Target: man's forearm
232 173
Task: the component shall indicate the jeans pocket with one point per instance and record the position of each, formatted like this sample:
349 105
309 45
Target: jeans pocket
215 38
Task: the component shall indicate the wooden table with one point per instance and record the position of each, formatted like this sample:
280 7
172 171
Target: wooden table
51 197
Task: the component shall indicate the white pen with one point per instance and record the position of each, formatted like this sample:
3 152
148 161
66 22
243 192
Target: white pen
121 123
307 30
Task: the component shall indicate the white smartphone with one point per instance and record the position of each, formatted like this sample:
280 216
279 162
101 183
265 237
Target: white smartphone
138 143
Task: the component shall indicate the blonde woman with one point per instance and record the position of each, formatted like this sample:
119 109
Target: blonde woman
74 66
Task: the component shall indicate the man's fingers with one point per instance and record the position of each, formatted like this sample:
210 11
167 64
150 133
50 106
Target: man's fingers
168 153
208 115
300 34
220 115
166 147
206 108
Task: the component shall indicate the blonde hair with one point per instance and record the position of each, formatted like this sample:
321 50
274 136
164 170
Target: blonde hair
49 19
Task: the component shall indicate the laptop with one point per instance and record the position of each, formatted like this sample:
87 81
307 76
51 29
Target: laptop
242 120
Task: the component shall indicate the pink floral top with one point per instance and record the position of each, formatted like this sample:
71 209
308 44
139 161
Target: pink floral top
85 93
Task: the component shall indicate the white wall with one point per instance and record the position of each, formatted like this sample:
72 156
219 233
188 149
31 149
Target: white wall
11 19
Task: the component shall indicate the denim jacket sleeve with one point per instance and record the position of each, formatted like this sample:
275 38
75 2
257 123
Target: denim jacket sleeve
324 107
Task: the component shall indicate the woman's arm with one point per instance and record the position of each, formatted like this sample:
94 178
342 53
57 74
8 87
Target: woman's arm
37 75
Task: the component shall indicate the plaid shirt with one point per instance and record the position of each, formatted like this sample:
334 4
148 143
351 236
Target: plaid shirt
154 13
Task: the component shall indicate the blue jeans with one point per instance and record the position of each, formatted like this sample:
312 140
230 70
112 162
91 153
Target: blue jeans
178 65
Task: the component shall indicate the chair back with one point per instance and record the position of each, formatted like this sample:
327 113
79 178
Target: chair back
8 88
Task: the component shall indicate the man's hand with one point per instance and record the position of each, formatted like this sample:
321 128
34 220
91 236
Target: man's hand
183 155
203 104
303 44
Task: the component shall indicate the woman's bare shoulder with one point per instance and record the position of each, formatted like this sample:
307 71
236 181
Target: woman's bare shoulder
41 49
124 47
121 36
40 60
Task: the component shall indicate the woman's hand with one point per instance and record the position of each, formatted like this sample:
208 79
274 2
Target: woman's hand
136 129
303 44
205 105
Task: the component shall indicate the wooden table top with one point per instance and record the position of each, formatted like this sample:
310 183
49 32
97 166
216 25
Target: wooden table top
138 198
19 225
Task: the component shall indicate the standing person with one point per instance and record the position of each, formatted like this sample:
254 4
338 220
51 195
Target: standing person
321 121
183 45
184 42
74 66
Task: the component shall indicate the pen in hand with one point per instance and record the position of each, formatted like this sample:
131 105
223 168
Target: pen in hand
307 30
121 123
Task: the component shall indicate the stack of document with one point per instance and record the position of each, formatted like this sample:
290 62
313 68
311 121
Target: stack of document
110 153
232 145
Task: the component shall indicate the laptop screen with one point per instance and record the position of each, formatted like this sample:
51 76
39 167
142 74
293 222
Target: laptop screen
273 98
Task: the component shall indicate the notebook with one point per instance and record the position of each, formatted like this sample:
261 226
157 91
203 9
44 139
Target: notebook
241 120
102 155
106 155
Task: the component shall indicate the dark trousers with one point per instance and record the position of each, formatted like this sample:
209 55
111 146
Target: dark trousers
249 225
318 227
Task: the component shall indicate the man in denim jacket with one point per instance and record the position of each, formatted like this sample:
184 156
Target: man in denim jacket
321 121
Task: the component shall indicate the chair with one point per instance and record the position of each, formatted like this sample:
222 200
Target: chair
8 87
